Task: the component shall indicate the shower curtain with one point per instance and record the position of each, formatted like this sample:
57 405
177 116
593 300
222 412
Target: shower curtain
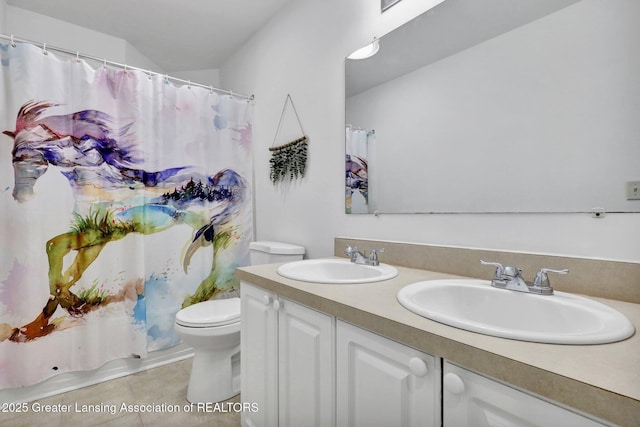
359 153
124 199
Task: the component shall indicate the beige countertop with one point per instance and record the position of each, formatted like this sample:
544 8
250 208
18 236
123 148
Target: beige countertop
602 380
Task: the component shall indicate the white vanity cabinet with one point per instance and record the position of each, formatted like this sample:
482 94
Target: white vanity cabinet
302 367
383 383
472 400
287 358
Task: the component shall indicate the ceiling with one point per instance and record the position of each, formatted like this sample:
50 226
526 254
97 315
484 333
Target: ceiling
180 35
445 30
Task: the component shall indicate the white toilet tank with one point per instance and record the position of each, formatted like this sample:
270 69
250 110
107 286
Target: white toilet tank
265 252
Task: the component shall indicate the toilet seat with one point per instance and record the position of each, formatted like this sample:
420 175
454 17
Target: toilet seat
210 313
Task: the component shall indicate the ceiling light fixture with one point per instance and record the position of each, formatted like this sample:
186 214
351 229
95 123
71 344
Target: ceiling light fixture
367 51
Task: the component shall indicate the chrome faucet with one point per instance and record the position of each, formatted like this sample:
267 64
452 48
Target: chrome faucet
359 257
508 277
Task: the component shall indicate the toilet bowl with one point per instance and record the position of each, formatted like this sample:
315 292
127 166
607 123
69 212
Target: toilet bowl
212 328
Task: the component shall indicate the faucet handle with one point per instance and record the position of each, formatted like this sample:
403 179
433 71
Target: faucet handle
499 268
373 255
542 279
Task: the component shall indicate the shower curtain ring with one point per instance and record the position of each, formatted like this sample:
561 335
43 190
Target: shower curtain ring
77 56
44 49
211 90
13 42
189 86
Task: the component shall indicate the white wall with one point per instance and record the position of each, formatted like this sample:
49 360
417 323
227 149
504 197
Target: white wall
301 52
209 77
3 17
44 29
135 58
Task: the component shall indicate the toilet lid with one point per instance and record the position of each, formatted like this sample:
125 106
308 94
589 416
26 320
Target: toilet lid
204 314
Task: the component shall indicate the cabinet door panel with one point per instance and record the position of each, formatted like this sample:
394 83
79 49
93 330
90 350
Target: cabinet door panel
376 385
306 368
258 356
477 401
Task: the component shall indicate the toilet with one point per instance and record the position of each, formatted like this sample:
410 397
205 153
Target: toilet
266 252
212 328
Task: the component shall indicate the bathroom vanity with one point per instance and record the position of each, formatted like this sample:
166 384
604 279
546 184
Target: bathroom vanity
350 354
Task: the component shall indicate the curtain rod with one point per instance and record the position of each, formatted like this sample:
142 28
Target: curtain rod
352 127
45 47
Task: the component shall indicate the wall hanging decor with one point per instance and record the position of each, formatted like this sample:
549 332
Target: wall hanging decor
126 197
288 161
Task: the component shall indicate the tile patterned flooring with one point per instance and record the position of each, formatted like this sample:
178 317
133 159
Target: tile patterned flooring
165 386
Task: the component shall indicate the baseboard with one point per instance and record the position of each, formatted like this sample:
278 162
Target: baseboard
114 369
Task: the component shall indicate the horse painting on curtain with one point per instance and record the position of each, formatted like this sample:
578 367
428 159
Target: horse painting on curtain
357 180
132 196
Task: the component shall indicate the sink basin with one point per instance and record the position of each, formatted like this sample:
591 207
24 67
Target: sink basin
336 271
476 306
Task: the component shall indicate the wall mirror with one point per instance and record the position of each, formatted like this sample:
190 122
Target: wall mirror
498 106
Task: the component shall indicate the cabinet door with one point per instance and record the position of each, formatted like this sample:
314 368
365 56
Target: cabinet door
383 383
258 356
476 401
306 367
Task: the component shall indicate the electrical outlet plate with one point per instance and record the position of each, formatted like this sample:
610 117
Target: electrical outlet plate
633 190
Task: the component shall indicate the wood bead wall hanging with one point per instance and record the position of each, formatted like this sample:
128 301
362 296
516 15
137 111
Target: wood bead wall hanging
288 161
